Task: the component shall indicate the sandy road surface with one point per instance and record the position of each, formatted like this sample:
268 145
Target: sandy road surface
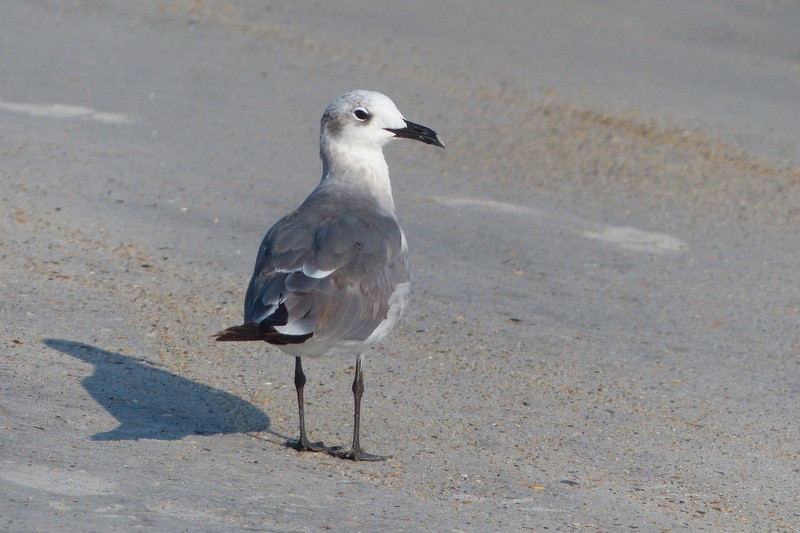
603 332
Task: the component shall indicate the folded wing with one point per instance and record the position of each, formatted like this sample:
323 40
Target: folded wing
322 276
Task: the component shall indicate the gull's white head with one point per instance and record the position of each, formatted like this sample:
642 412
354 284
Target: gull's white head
359 120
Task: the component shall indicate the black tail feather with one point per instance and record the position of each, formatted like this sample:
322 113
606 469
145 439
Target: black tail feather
250 331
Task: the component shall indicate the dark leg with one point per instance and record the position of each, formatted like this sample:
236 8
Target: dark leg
302 444
355 453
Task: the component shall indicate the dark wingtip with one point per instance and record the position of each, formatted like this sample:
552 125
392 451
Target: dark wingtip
250 331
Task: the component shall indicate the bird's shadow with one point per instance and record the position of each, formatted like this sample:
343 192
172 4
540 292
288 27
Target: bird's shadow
151 403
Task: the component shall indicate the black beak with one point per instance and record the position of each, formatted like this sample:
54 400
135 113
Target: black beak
418 132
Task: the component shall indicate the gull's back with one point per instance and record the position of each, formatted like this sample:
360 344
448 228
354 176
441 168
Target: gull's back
333 275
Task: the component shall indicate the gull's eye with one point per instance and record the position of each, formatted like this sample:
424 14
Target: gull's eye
361 114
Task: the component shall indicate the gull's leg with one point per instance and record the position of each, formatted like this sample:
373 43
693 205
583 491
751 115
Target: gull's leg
355 453
302 444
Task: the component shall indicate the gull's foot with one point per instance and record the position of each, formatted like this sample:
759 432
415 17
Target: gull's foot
356 454
304 445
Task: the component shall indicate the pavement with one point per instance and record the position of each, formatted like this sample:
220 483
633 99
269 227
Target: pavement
603 330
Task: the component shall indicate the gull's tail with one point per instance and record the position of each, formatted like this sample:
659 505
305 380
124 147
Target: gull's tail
250 331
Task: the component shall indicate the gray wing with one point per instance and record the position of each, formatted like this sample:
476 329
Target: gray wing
327 275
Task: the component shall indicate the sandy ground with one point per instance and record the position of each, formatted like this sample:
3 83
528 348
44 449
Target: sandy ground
604 326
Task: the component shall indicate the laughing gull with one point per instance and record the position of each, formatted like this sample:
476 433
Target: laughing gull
332 277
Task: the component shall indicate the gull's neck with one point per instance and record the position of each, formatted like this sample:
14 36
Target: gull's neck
361 169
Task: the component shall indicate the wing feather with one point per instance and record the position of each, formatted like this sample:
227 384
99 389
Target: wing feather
325 275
